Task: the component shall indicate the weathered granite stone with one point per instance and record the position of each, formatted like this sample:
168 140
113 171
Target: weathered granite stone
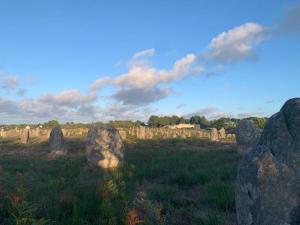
222 133
122 133
141 132
35 132
230 136
268 182
214 135
25 135
247 135
104 147
57 140
2 132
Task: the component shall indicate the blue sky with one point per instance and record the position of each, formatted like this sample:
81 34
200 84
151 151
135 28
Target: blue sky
95 60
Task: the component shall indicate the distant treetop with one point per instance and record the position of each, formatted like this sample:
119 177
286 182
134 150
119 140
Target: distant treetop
52 123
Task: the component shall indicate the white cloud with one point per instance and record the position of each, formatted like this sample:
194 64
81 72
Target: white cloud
67 105
142 96
143 75
9 83
138 76
125 112
210 113
8 106
213 113
70 98
99 83
181 68
141 84
237 44
145 53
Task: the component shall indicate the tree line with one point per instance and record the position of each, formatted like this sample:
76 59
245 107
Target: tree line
227 123
156 121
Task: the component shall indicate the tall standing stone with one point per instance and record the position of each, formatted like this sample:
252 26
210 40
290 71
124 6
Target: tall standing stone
2 132
214 135
25 135
57 141
122 133
37 130
268 182
141 132
222 133
104 147
247 135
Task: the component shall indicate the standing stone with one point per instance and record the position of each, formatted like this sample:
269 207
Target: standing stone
150 134
37 132
230 136
25 135
57 141
141 132
104 147
122 134
222 133
268 182
214 135
48 133
65 132
2 132
247 135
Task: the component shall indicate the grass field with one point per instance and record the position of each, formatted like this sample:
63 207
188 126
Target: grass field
182 182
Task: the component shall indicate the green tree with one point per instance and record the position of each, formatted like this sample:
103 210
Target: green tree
153 121
125 123
159 121
201 120
52 123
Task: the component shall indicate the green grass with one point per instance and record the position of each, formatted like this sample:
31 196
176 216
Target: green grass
221 196
182 182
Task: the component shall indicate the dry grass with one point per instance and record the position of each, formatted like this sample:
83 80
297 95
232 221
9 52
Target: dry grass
180 182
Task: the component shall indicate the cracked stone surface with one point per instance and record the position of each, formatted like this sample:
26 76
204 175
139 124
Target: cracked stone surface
57 140
268 182
247 135
104 147
25 136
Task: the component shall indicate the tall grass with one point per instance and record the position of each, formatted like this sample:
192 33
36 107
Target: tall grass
167 181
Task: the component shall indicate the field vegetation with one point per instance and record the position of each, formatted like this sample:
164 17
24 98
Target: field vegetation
178 181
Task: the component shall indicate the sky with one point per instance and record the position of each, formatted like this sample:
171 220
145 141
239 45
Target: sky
86 61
